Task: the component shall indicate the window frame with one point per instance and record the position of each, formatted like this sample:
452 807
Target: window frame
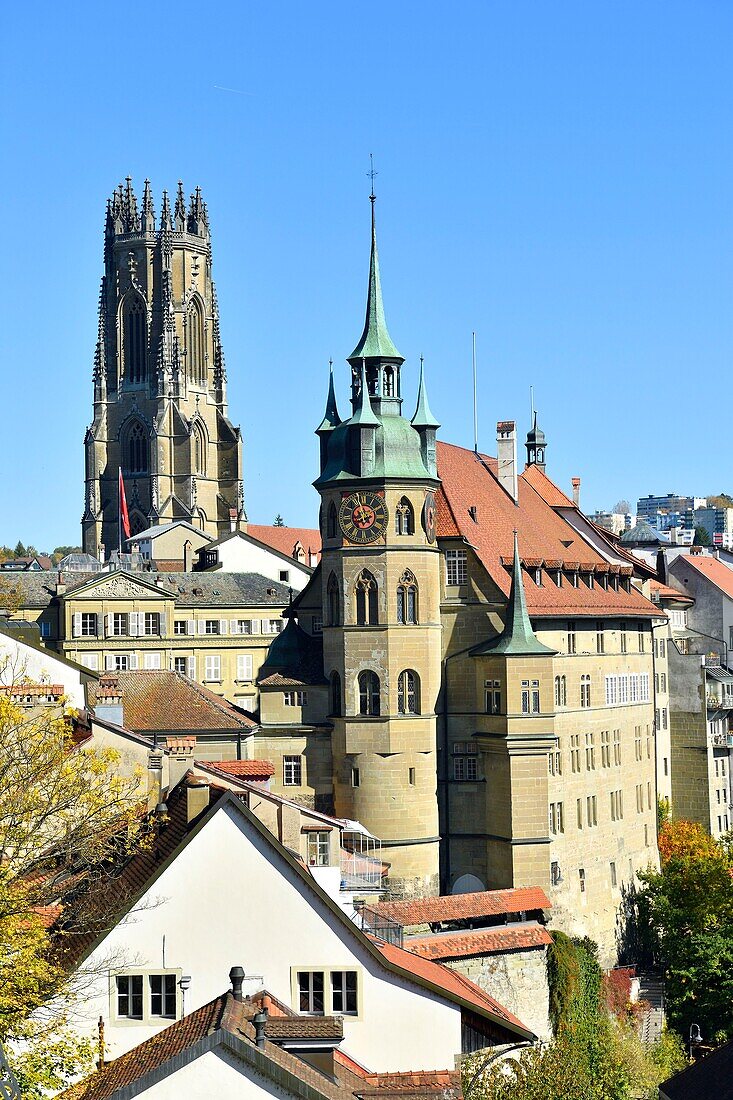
144 974
292 770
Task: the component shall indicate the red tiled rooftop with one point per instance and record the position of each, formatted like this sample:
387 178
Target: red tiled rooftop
469 481
241 769
285 539
715 570
487 903
480 941
159 700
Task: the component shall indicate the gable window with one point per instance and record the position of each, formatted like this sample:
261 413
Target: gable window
408 693
407 598
310 992
292 771
344 992
456 567
319 848
144 996
368 682
366 600
404 518
163 995
129 996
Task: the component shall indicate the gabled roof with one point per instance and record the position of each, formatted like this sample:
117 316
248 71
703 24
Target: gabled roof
450 907
713 569
164 528
547 489
240 769
469 481
709 1077
479 941
284 539
156 700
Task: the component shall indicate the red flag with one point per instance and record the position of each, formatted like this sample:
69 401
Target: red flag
124 516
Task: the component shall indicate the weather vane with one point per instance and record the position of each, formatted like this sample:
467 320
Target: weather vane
371 173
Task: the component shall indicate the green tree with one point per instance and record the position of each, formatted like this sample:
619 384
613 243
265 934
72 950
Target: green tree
279 521
702 538
20 550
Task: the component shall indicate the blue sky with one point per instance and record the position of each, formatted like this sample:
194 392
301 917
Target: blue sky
556 176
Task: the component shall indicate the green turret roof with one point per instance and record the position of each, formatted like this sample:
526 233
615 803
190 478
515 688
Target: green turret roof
375 341
423 417
331 418
517 638
364 413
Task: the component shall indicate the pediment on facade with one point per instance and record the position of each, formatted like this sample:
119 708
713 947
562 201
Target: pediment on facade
120 586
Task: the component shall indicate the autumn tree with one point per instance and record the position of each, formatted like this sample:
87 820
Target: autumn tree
66 819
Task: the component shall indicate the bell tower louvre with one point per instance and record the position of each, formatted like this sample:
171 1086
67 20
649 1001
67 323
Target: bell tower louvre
160 404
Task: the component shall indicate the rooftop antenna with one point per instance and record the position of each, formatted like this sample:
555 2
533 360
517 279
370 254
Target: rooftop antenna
371 173
531 404
475 407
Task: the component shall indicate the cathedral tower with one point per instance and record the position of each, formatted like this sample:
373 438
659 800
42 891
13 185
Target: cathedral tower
160 407
381 600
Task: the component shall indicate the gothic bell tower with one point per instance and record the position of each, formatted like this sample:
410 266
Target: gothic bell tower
160 406
381 602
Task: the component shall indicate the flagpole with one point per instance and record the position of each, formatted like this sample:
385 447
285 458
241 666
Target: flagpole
119 509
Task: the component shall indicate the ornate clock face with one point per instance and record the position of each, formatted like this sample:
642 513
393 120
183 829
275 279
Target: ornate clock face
428 516
363 517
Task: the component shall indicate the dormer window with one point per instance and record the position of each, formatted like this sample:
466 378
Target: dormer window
537 576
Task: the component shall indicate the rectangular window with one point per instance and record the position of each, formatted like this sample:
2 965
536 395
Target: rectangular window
317 625
575 752
590 752
492 696
240 626
530 697
319 848
637 743
555 873
579 812
151 622
465 769
310 992
581 879
244 666
355 777
624 638
88 624
89 660
295 698
605 748
641 637
163 995
212 667
411 776
179 665
613 874
572 637
211 626
44 628
119 624
664 718
344 1000
121 662
285 575
179 626
129 996
455 566
617 747
600 638
591 814
292 771
585 691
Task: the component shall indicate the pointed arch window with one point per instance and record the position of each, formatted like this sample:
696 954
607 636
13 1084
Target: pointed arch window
408 692
404 518
198 450
135 340
407 599
333 602
331 521
335 695
368 682
195 343
389 382
137 449
366 599
137 523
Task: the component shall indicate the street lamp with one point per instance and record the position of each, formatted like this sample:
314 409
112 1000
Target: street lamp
695 1037
183 983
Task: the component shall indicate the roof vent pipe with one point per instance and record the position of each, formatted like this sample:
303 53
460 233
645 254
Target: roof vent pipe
260 1023
506 453
236 977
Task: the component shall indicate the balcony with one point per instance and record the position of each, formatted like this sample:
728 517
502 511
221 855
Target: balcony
718 702
361 865
722 740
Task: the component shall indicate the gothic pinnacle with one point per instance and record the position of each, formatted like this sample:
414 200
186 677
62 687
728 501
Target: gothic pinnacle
179 213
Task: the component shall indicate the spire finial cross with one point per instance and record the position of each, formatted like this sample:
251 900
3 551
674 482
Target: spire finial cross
371 173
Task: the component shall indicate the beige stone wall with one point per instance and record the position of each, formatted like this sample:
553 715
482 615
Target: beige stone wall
517 980
314 749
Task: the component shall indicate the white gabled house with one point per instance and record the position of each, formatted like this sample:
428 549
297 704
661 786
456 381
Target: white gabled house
23 658
217 886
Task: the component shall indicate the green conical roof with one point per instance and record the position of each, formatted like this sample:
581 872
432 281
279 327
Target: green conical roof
375 341
364 413
517 638
423 417
331 418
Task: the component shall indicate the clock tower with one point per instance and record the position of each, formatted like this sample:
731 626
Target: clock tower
380 577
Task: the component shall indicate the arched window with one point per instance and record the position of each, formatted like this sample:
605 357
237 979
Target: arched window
137 449
331 522
333 602
369 694
407 598
137 523
408 692
366 599
335 695
404 518
198 450
135 340
195 343
561 691
388 382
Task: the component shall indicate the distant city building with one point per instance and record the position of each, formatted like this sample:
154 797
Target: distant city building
648 507
615 522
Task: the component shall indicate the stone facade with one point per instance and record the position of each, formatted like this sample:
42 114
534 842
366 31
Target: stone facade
517 979
160 406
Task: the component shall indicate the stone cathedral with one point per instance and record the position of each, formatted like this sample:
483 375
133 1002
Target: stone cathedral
160 404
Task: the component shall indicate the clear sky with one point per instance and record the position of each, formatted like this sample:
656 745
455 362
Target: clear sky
557 176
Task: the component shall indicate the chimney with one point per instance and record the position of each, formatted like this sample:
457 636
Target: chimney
232 519
312 559
180 752
109 700
506 453
661 565
236 977
260 1022
60 586
576 491
155 777
197 797
187 556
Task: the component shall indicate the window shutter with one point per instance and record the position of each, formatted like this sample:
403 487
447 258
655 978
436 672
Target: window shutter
244 666
256 627
202 626
109 660
151 660
76 624
108 625
132 620
91 660
133 661
191 668
163 625
190 626
223 625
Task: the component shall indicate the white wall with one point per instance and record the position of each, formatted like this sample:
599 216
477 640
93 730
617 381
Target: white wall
239 555
19 661
228 900
216 1073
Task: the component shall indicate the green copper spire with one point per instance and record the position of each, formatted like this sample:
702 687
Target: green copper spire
364 413
375 341
331 418
517 638
423 417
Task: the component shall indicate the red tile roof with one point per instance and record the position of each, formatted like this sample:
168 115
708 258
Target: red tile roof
241 769
714 569
666 593
159 700
547 489
284 539
487 903
443 1083
450 982
480 941
469 481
